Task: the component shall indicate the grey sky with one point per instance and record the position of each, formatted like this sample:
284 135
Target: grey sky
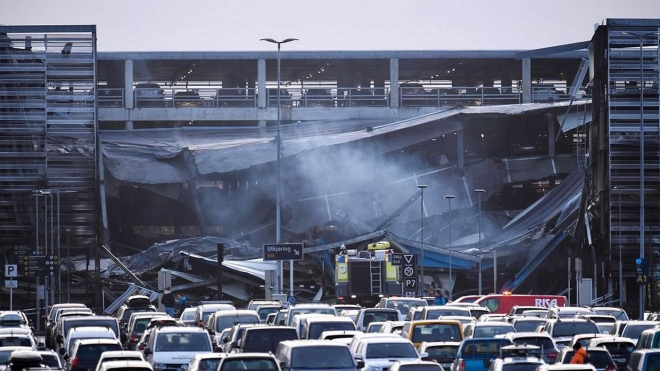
237 25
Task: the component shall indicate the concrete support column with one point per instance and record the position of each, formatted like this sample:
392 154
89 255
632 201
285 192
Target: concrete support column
460 149
527 80
394 83
551 136
128 125
128 84
261 83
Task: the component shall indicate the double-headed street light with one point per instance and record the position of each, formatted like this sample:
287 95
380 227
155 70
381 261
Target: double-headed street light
480 192
278 213
421 189
451 283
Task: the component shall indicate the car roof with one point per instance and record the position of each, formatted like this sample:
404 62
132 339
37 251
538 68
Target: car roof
516 335
611 339
179 329
250 355
328 318
125 363
429 344
97 341
119 353
379 340
235 313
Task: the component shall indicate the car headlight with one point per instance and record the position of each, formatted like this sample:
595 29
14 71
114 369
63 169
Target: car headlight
159 366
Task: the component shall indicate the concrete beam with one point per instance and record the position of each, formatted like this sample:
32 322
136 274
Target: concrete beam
394 83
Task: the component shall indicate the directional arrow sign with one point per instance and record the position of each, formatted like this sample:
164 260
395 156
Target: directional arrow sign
283 251
409 272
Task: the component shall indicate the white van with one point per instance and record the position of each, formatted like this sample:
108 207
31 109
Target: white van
174 346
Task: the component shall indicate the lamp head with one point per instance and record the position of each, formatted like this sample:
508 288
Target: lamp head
422 186
480 190
449 196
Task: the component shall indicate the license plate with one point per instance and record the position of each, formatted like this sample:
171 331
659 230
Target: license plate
620 360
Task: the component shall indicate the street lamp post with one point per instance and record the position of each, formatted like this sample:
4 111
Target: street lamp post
451 283
480 192
278 213
421 189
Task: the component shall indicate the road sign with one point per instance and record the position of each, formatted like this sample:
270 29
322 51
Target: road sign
34 262
292 300
410 259
641 271
11 270
283 251
410 294
397 259
410 284
11 284
408 272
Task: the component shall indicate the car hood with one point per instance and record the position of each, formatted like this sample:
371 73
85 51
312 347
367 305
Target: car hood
175 357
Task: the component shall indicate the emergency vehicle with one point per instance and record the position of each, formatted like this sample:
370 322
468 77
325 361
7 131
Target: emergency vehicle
502 303
363 277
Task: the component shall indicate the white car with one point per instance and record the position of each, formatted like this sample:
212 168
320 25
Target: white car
119 355
380 353
175 346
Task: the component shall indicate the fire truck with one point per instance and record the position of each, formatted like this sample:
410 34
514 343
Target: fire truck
363 277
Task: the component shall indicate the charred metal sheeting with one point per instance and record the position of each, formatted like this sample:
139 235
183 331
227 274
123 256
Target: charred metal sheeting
539 219
123 267
335 245
432 253
159 254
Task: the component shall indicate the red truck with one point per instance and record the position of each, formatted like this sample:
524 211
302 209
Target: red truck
502 303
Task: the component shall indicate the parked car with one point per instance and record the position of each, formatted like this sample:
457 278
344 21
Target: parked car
316 355
443 352
598 357
149 95
619 348
644 360
85 354
477 354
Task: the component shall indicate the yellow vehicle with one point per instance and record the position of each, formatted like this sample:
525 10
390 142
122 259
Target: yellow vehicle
432 330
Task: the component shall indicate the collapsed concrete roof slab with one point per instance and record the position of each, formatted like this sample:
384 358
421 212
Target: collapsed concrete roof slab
150 156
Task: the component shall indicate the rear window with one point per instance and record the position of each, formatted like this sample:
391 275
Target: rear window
264 312
633 331
15 342
321 357
222 323
51 360
442 354
424 367
574 328
543 343
620 349
183 342
390 350
265 364
92 352
491 331
379 316
315 329
111 323
600 359
127 313
436 332
404 305
435 313
483 348
208 364
267 340
527 326
521 366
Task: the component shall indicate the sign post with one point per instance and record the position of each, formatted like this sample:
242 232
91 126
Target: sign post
285 251
11 271
410 281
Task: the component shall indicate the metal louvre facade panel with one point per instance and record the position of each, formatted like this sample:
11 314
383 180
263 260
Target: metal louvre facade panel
633 127
48 132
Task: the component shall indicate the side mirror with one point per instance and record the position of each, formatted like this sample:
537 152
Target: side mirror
359 364
61 351
238 343
424 355
147 351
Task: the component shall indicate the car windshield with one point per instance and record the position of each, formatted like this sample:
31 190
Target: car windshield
263 364
222 323
379 316
436 332
264 312
183 342
391 350
404 305
321 357
374 327
619 349
574 328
